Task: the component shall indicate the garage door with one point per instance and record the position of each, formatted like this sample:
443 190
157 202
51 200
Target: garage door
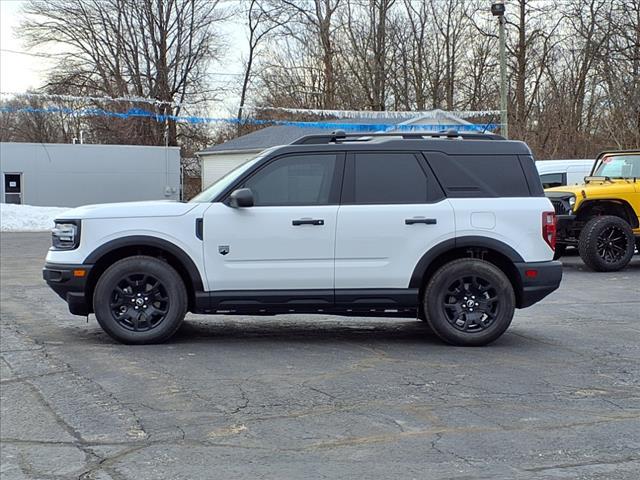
217 166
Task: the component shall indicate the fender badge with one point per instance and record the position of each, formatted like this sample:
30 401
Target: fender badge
223 249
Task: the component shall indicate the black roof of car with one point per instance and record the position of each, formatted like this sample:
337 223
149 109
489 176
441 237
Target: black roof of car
451 142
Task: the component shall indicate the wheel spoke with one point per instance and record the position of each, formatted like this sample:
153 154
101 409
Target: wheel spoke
471 304
146 300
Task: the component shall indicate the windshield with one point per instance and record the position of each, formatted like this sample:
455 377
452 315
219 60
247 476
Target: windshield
217 187
619 166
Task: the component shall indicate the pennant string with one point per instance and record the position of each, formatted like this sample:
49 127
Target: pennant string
335 125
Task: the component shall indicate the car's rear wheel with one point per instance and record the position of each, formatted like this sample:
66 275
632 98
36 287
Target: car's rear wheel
606 243
469 302
140 300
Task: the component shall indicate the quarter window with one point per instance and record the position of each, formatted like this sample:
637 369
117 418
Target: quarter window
388 178
294 180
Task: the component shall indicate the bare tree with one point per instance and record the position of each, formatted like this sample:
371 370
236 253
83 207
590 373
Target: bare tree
263 18
319 17
147 48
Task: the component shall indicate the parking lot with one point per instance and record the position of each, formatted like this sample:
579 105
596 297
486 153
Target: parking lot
321 397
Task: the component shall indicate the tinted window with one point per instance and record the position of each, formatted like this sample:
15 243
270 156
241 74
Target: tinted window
466 176
550 180
388 178
294 180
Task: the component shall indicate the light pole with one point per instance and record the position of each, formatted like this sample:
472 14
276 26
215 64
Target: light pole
497 10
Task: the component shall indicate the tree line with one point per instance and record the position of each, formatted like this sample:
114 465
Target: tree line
573 65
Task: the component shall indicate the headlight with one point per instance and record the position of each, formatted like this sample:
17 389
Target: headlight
66 235
572 201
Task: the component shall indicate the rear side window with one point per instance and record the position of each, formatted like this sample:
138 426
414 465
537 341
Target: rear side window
550 180
466 176
385 178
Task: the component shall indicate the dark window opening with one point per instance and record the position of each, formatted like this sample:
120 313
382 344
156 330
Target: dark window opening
387 178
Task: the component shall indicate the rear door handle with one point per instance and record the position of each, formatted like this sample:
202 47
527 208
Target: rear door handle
426 221
307 221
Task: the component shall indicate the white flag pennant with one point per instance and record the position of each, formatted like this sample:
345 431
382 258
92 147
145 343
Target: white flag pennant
53 96
387 114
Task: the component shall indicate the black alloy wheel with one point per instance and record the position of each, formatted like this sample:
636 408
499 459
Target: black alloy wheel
612 244
139 302
471 304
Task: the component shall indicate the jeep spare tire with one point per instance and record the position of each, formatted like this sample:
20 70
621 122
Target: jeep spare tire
606 243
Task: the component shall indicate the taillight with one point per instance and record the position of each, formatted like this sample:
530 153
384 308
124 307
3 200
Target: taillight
549 228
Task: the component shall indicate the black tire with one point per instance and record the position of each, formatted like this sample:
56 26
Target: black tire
559 252
606 244
473 292
140 300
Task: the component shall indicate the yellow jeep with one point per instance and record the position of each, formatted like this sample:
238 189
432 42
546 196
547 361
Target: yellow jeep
602 216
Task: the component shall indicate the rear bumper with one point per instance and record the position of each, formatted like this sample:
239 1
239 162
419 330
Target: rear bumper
537 280
71 288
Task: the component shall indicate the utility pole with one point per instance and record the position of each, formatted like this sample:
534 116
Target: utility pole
497 10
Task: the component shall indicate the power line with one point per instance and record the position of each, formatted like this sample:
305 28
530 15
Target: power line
31 54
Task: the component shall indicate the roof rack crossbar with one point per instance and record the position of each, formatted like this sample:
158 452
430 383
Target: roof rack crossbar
339 136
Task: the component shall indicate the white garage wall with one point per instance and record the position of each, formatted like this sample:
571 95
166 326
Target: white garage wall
216 166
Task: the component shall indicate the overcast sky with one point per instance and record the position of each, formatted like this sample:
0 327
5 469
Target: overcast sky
19 72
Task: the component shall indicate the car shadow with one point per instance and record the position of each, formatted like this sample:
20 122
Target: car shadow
303 330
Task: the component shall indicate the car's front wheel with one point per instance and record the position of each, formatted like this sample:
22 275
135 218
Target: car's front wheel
606 243
469 302
140 300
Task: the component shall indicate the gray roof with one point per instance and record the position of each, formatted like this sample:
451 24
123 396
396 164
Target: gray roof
284 134
264 138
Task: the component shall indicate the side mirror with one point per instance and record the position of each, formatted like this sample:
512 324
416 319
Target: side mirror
242 197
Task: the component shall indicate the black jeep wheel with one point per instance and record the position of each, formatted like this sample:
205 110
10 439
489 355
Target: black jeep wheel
469 302
140 300
606 243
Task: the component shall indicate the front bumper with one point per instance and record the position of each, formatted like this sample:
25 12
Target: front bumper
63 280
536 286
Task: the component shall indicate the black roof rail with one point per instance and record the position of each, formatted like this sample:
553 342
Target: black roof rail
338 136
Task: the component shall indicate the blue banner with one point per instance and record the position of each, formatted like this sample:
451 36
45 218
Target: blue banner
333 125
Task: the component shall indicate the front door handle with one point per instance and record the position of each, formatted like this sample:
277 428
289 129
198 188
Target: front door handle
307 221
426 221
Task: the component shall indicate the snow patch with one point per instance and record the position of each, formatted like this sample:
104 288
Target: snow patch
27 218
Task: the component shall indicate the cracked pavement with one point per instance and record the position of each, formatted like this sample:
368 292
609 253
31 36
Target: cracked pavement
557 397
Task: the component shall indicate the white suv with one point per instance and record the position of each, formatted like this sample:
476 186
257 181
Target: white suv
450 228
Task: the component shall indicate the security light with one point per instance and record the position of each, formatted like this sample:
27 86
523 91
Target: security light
497 9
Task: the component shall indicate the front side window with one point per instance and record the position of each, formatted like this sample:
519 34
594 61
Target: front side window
294 180
388 178
619 166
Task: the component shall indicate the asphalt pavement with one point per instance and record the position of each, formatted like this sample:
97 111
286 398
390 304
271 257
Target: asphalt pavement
311 397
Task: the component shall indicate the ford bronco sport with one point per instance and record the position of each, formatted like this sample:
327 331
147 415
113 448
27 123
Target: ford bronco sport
601 217
451 228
